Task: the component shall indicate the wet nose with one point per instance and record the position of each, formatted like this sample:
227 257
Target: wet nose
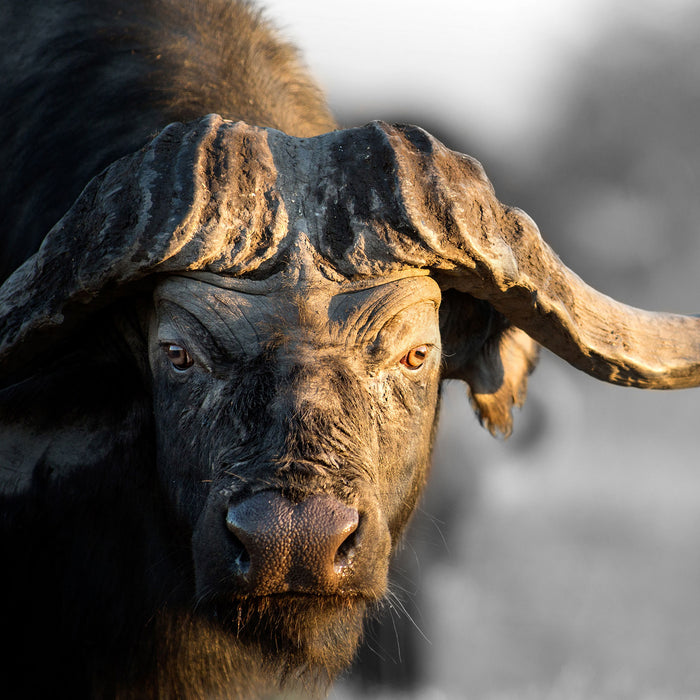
281 546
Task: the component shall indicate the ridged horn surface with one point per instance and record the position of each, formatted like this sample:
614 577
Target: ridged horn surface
234 200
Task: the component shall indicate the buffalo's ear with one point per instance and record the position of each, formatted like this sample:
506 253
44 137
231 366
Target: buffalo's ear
83 406
494 358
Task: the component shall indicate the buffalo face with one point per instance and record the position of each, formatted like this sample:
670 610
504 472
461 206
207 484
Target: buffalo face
293 437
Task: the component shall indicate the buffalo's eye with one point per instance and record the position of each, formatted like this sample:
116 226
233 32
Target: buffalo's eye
178 356
415 357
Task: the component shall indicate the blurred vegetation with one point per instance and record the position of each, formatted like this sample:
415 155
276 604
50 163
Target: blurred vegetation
615 186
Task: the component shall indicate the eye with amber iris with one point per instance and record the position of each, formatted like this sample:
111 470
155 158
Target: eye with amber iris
415 357
178 356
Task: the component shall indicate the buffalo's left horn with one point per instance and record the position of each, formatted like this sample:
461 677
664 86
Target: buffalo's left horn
496 253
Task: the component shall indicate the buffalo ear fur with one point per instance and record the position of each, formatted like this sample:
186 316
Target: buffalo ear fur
82 401
494 358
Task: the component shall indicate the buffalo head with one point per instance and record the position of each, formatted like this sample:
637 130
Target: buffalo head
294 422
254 327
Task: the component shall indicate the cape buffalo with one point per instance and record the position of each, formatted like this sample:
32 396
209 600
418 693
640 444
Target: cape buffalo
220 368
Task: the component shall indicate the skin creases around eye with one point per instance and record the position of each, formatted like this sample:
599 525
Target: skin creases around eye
415 357
178 356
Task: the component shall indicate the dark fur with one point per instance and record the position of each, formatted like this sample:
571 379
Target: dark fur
84 83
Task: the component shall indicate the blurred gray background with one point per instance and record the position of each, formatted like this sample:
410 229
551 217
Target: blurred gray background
565 562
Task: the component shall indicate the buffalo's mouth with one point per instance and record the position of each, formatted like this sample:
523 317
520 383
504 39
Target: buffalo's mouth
320 631
247 615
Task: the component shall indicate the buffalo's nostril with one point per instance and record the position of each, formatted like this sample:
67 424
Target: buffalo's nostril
241 557
346 552
279 545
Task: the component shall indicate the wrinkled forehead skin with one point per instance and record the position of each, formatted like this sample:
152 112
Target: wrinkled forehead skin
336 313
